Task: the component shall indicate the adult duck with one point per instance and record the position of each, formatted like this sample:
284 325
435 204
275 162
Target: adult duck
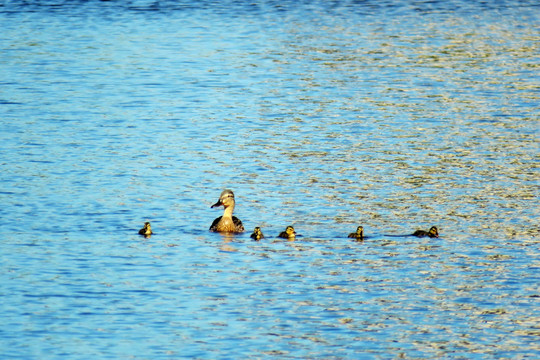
227 223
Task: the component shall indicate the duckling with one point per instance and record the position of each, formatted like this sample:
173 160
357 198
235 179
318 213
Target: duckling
289 233
146 230
257 234
226 223
433 232
359 234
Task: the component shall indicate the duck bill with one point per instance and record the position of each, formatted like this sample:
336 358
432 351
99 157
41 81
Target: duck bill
219 203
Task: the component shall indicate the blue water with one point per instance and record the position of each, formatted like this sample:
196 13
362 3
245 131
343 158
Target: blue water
325 115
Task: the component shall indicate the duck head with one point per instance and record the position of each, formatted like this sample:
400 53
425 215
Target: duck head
226 199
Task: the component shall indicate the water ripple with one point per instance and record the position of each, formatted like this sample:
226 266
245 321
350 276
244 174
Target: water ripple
323 115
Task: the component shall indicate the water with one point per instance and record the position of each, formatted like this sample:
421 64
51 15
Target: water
322 115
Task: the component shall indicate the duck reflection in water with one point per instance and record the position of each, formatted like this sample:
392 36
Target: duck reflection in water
146 231
358 235
289 233
432 233
257 234
227 223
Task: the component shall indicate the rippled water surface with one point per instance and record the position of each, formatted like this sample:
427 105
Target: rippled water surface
324 115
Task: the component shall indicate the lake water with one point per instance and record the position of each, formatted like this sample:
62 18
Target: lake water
324 115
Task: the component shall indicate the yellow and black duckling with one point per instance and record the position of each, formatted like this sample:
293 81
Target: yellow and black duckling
226 223
289 233
146 230
359 234
433 232
257 234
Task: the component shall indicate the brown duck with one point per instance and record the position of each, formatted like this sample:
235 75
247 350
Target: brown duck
227 223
